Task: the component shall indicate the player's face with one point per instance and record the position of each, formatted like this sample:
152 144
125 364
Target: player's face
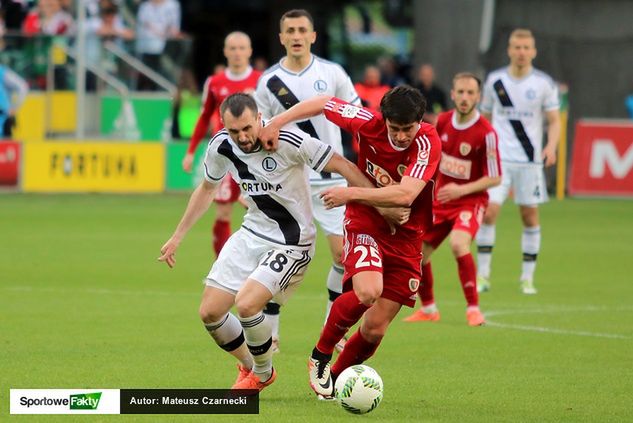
243 129
465 94
297 36
402 134
521 51
237 50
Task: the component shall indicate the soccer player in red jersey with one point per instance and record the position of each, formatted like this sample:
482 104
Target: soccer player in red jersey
469 166
238 77
400 155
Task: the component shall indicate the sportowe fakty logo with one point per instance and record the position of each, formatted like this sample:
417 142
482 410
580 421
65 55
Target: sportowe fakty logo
73 402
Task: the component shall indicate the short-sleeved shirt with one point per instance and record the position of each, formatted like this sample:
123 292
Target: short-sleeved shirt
280 88
517 107
469 152
274 184
385 164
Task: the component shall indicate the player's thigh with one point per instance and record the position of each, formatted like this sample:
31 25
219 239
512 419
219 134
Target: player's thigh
362 261
252 298
281 271
402 272
215 303
330 220
530 188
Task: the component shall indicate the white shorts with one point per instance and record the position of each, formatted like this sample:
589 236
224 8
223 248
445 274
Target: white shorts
527 182
331 221
280 269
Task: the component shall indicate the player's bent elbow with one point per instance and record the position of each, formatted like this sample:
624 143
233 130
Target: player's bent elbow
495 181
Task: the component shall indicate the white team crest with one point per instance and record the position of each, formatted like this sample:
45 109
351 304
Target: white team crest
444 137
224 91
320 86
269 164
350 111
401 169
465 216
414 284
464 148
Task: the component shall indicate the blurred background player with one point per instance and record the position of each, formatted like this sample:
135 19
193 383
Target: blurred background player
301 75
239 76
13 90
518 97
267 257
434 95
469 166
370 90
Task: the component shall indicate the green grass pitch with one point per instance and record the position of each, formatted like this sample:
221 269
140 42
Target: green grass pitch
84 303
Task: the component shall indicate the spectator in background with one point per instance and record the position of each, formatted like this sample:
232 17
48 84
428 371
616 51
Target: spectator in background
628 102
48 18
434 95
260 63
370 90
157 21
13 13
389 70
13 90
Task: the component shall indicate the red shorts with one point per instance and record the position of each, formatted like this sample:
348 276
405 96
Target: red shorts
397 260
228 192
464 217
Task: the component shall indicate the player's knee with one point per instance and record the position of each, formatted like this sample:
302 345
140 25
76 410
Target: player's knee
368 294
209 315
246 307
374 332
459 248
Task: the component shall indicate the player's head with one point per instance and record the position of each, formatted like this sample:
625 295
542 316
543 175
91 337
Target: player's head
402 108
521 48
237 49
296 32
242 121
466 92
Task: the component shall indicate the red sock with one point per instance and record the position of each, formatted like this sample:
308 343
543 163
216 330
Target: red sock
221 233
357 350
425 291
468 276
345 312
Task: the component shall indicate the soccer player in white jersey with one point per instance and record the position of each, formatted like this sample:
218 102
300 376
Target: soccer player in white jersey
267 257
298 76
519 97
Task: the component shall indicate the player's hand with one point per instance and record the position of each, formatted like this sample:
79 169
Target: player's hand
450 192
187 162
335 197
168 252
549 155
269 136
395 216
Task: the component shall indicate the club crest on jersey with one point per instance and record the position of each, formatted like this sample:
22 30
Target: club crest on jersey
224 91
423 157
401 169
320 86
414 284
350 111
282 91
464 148
269 164
381 176
444 137
465 217
530 94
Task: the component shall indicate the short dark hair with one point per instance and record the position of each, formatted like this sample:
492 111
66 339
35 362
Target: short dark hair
296 13
237 103
464 75
403 104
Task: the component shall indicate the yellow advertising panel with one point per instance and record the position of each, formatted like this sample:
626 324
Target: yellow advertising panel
93 167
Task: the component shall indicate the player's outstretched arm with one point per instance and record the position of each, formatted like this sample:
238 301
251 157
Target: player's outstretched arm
401 195
348 170
199 203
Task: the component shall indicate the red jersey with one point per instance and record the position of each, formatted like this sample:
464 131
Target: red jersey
216 89
384 165
469 152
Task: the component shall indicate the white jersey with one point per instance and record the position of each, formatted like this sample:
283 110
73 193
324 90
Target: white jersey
274 184
517 107
279 89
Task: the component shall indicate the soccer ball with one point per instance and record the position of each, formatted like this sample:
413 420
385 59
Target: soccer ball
359 389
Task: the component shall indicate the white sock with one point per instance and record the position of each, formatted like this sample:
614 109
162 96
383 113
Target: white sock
430 308
227 333
334 286
530 245
258 334
485 242
272 311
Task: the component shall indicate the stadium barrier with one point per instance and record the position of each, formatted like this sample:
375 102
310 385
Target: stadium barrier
602 161
9 163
